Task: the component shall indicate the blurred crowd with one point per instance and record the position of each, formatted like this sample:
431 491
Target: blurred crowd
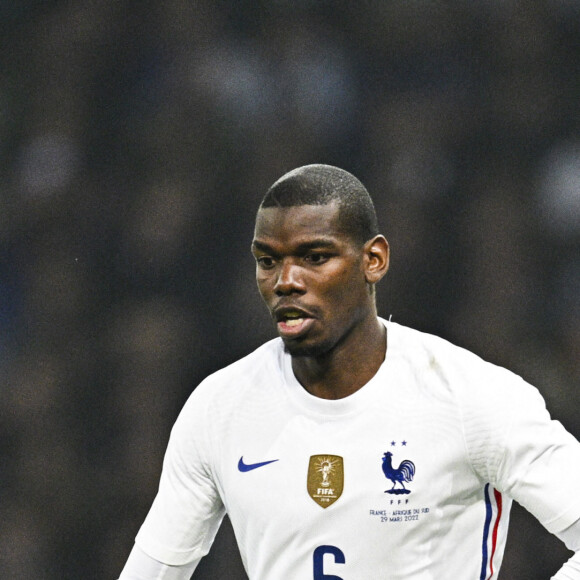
137 139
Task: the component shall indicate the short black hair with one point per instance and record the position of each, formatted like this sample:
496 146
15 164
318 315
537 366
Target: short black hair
324 184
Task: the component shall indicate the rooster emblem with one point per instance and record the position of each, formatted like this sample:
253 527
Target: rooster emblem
404 472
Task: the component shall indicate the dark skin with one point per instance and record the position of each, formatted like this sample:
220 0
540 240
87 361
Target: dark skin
318 284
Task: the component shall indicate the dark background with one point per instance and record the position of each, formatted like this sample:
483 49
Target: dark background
137 139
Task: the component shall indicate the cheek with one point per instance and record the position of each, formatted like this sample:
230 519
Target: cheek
350 291
346 279
264 285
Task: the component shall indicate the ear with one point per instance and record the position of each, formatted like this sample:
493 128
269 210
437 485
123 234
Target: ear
376 259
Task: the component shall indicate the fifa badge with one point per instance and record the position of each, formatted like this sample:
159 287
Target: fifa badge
325 480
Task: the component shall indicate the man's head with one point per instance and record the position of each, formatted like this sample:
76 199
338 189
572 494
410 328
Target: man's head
323 185
318 258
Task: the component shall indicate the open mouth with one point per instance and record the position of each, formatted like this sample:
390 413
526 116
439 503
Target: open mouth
292 323
293 319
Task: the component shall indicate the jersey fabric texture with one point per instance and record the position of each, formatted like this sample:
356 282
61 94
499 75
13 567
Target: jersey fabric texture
412 476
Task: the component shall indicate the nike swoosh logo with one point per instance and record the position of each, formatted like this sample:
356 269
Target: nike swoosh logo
243 467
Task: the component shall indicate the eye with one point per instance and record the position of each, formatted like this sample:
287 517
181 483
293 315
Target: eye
316 257
265 262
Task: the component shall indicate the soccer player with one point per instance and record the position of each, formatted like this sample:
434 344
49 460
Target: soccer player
351 447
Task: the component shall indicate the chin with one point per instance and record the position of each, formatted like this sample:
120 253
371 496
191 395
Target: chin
297 349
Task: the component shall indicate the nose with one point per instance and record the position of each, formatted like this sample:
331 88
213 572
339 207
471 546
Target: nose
289 280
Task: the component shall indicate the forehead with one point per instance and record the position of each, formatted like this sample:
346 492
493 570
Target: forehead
285 224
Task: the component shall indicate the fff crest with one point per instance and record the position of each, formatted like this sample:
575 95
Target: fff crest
325 480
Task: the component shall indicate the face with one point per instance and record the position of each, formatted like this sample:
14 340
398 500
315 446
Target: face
312 276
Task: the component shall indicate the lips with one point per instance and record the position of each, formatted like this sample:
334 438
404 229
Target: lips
292 322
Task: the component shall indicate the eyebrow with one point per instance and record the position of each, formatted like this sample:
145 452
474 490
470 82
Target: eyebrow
304 247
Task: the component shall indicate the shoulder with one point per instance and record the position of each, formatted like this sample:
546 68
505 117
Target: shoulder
427 348
229 386
484 394
247 370
219 400
492 403
460 369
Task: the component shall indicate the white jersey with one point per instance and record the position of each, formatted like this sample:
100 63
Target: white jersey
412 476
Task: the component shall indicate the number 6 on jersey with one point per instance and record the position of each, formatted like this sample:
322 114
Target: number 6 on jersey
318 562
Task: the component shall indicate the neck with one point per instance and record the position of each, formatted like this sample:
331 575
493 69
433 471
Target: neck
348 366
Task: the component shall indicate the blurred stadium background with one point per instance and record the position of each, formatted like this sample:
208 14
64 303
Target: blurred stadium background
137 139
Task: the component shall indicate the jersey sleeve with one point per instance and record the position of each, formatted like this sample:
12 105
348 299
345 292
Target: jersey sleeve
187 511
571 537
523 452
540 467
140 566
